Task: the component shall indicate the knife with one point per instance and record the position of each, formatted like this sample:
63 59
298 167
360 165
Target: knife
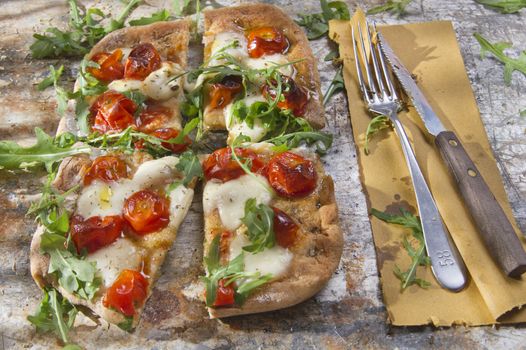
494 227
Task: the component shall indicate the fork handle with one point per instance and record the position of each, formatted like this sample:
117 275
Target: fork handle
494 227
446 263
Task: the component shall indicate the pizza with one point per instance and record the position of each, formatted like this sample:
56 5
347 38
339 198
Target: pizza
123 209
257 37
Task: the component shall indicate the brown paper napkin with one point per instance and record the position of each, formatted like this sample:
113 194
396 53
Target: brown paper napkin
430 51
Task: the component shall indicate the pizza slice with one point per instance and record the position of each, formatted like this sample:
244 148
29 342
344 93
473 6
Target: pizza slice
272 237
259 77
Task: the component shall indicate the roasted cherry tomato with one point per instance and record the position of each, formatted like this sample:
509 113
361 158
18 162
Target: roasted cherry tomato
285 228
111 67
112 111
142 60
107 169
95 233
127 293
220 164
153 117
147 212
291 175
170 133
295 98
266 41
223 92
224 294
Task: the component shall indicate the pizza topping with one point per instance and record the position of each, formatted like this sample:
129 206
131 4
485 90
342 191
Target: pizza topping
170 133
222 93
110 66
285 229
142 60
112 111
291 175
94 233
266 41
224 294
147 212
127 293
221 166
153 117
294 97
107 169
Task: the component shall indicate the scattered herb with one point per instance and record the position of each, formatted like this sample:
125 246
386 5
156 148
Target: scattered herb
54 314
316 25
127 324
185 7
394 6
85 30
259 220
160 16
376 124
504 6
336 85
322 141
332 56
522 113
418 255
497 49
233 272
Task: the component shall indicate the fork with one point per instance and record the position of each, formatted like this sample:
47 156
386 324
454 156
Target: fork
381 98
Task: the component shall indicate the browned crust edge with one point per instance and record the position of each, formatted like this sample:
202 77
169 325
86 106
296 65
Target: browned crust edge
258 15
311 276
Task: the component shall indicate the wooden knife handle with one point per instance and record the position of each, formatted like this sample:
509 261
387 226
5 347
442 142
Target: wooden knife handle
494 227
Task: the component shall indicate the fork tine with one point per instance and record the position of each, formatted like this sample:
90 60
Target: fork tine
363 87
370 79
387 78
378 75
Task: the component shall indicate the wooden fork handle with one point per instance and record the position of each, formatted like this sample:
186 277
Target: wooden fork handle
494 227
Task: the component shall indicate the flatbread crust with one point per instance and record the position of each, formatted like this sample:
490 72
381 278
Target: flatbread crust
240 18
169 38
317 250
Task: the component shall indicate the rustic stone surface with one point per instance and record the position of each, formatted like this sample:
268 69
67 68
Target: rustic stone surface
348 313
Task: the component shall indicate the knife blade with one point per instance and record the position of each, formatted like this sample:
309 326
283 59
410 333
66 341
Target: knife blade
493 225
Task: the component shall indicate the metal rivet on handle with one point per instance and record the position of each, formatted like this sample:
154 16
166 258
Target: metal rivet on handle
472 173
453 143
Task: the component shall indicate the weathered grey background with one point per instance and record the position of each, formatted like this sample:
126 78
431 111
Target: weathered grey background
348 313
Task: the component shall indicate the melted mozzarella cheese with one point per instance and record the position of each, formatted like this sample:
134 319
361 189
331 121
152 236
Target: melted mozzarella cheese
112 259
221 40
180 201
229 198
236 128
102 199
158 85
274 261
268 61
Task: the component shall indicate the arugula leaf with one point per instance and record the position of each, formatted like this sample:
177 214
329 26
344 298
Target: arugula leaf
54 314
394 6
127 324
160 16
190 166
233 272
322 141
497 49
336 85
259 220
418 255
522 113
51 79
376 124
504 6
316 25
44 152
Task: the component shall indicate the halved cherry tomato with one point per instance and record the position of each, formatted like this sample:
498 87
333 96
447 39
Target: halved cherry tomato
295 97
147 212
220 164
223 92
142 60
224 294
95 232
170 133
266 41
112 111
153 117
127 293
291 175
107 169
111 67
285 228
